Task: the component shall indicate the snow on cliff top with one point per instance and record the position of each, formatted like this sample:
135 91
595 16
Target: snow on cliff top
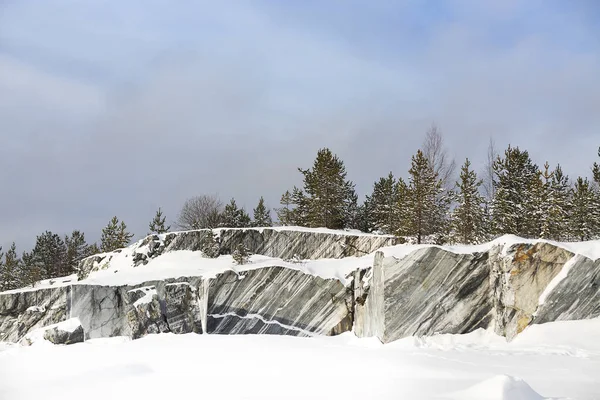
185 263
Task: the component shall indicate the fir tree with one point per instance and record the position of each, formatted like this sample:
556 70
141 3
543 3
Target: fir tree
423 205
581 220
513 208
114 236
10 270
157 225
468 217
262 215
77 249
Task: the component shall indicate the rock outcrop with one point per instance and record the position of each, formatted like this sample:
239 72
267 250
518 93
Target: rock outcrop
426 291
272 300
271 242
277 300
62 335
24 311
433 291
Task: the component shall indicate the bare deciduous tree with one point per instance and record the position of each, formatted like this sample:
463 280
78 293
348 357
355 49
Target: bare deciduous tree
488 175
437 155
200 212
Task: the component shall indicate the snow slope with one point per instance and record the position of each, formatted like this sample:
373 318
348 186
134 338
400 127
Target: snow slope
477 366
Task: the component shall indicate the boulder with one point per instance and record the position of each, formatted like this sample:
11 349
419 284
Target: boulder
64 333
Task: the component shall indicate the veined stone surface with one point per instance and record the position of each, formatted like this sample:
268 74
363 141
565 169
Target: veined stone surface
283 244
427 292
576 296
21 312
278 300
518 278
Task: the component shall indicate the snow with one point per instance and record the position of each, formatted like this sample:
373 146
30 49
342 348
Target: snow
475 366
118 269
501 387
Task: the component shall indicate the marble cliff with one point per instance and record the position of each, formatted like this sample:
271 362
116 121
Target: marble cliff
305 282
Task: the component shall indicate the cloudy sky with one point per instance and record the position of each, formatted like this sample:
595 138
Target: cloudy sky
118 107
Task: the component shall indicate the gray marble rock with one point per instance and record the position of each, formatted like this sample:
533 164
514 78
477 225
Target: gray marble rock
172 305
427 292
265 241
277 300
303 244
24 311
577 296
56 335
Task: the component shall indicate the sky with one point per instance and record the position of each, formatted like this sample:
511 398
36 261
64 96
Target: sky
120 107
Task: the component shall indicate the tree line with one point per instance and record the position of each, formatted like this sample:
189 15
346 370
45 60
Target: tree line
55 256
512 195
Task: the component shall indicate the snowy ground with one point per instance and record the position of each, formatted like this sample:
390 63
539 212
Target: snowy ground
556 360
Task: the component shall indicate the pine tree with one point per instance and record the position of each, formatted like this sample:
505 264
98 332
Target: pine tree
543 198
114 236
596 171
2 272
92 249
31 272
327 198
559 205
234 217
10 270
299 215
383 204
123 236
468 218
513 207
241 255
49 256
157 225
77 249
262 215
423 204
284 214
582 223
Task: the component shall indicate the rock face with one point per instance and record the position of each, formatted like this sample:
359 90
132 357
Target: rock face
434 291
577 295
24 311
284 244
277 300
272 300
427 291
518 279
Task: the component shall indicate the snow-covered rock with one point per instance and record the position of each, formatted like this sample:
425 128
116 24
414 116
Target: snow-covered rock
165 283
